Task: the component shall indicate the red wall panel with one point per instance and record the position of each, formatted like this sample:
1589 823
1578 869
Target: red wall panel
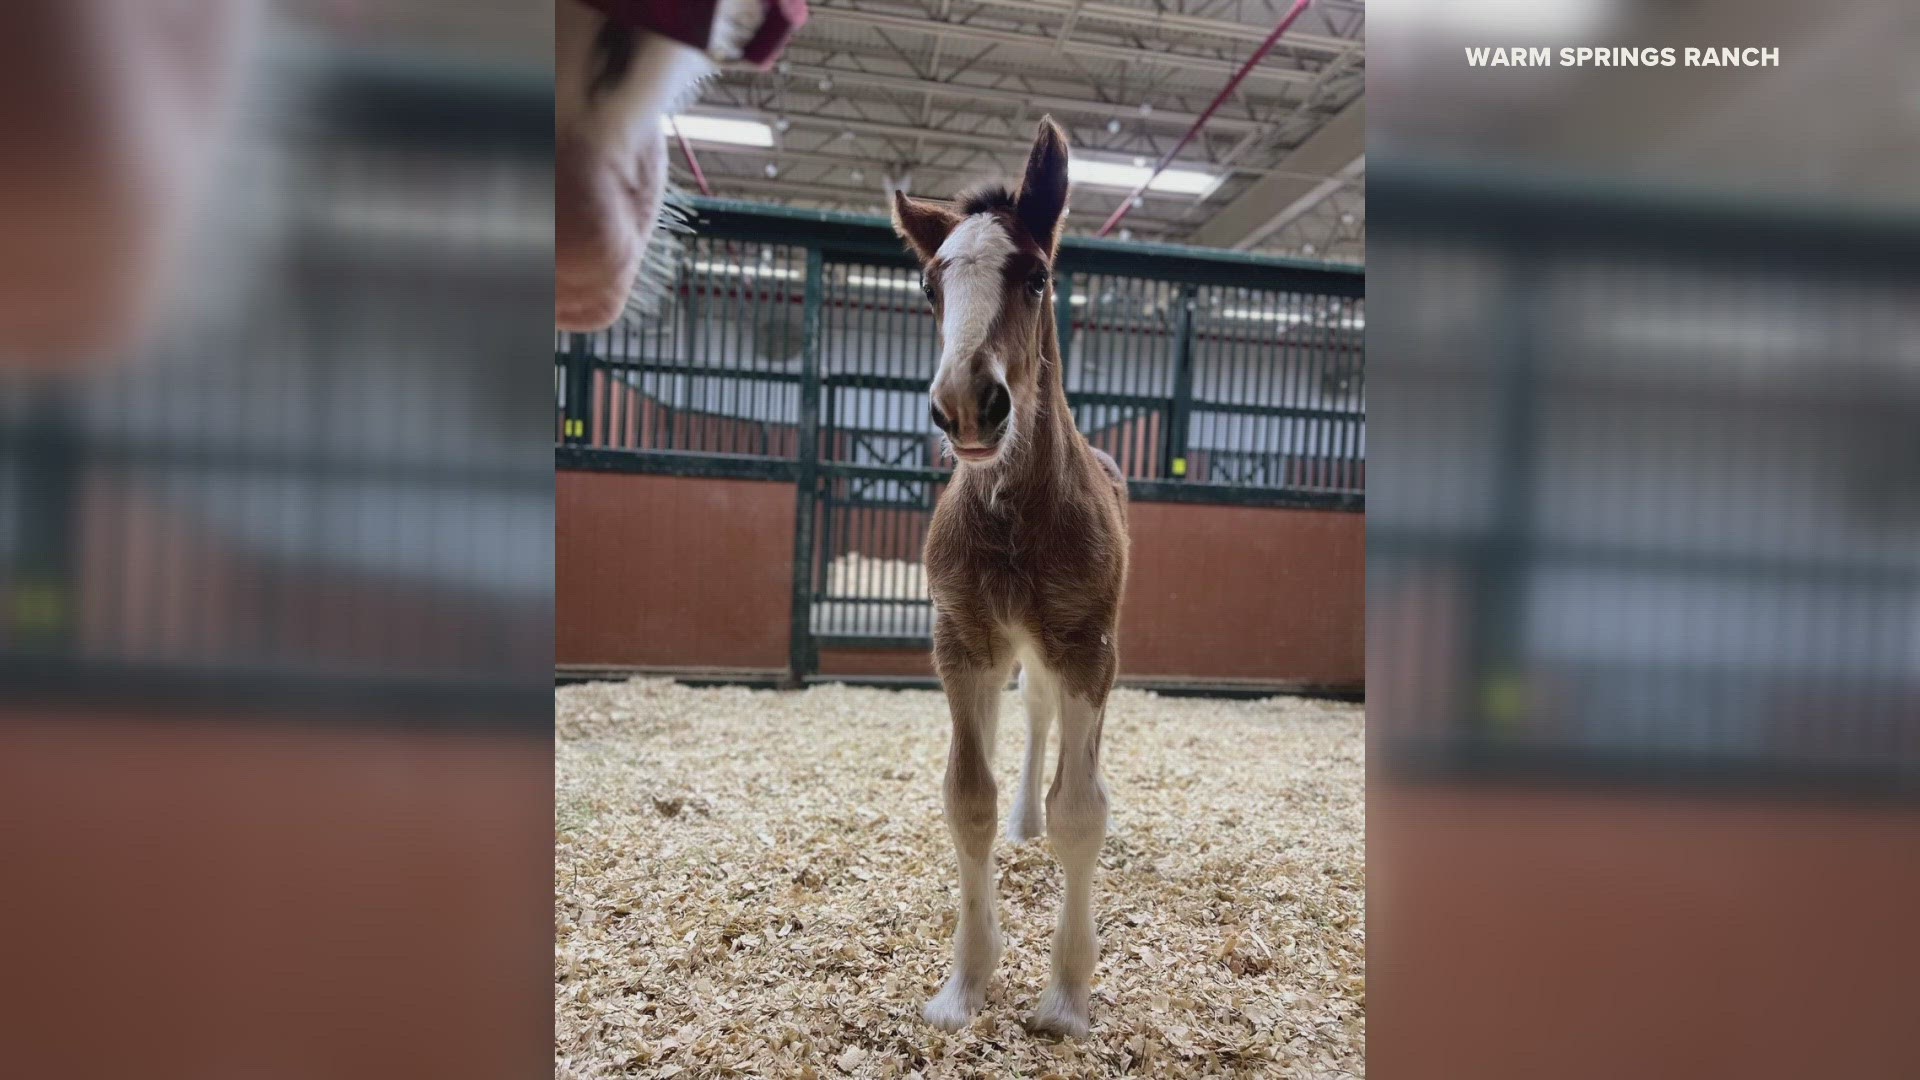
668 571
658 571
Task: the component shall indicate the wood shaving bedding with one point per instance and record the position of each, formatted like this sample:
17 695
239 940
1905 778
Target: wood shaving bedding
760 883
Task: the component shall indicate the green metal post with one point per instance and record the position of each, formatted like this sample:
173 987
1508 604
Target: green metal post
42 599
579 389
800 653
1174 447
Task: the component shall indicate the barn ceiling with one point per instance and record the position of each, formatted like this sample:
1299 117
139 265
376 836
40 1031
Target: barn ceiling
941 93
935 94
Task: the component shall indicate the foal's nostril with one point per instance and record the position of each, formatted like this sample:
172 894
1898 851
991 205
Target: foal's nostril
995 404
939 418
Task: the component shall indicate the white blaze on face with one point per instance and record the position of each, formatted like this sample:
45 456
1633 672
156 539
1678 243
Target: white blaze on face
973 259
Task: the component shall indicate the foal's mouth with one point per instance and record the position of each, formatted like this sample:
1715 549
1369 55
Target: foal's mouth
976 453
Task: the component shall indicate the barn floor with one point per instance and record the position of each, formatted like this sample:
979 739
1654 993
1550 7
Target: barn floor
759 883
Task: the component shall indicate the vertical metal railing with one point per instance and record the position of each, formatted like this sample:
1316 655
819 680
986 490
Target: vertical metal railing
721 378
1206 385
1646 519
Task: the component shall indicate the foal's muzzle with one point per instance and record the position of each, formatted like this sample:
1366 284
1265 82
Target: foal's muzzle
974 417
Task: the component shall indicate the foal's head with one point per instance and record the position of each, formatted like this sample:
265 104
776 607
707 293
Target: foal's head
987 266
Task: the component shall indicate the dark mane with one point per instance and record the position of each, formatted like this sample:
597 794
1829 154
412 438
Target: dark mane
986 197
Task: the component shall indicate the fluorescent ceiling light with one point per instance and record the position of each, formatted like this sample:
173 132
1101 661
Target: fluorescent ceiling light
881 281
781 273
1263 315
1290 318
722 129
749 270
1512 20
1113 174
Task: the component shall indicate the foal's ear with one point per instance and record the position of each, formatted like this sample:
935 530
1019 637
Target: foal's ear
923 225
1043 192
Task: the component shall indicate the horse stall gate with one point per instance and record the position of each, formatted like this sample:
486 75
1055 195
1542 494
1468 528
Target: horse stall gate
795 349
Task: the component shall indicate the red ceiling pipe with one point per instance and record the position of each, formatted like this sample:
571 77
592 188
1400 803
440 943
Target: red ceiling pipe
693 163
1258 55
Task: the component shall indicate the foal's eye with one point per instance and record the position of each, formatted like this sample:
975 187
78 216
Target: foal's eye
926 287
1037 284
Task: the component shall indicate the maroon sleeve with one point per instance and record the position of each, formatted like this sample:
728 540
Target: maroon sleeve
783 18
691 22
687 21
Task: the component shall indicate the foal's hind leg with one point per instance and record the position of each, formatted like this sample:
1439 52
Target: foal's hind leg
1076 823
1041 692
973 698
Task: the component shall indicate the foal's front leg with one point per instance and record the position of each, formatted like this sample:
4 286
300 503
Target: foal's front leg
1077 824
973 697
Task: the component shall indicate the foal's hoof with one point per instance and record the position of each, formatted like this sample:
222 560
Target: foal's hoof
1025 824
955 1005
1061 1012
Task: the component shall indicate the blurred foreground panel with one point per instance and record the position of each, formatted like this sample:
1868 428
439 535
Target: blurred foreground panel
234 898
275 538
1644 546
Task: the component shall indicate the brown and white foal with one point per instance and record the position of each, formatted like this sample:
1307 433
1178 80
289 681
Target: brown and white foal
1025 561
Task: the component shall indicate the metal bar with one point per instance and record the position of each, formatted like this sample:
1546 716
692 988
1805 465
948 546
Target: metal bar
1264 369
620 406
1226 91
1316 392
1128 368
1496 624
1017 97
693 163
1173 491
1082 397
941 183
1160 17
871 238
600 396
1664 770
696 307
579 382
830 433
42 603
1551 208
923 24
801 653
1463 545
874 641
754 300
673 463
1174 454
1286 389
676 368
240 457
834 329
86 687
863 381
